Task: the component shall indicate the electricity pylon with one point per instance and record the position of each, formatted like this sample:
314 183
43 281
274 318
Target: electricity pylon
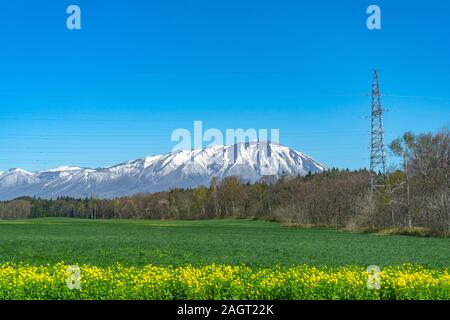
377 151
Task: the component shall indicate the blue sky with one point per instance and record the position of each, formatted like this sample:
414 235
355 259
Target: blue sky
116 89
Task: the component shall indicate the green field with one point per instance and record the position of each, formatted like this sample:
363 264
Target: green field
254 243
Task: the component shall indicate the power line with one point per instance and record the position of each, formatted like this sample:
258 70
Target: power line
416 97
295 134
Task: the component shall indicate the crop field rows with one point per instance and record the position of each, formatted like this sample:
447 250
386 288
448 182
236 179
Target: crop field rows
213 259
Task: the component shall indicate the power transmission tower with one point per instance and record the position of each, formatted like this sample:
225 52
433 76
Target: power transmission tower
377 152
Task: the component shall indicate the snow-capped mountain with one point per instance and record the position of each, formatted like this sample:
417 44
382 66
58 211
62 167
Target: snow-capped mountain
249 162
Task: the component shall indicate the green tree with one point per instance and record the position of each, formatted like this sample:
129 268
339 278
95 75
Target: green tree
402 147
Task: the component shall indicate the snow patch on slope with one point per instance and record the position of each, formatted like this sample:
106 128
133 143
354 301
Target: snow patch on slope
250 162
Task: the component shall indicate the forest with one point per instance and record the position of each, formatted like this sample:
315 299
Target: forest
414 198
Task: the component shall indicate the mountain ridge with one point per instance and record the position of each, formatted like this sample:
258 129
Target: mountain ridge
250 162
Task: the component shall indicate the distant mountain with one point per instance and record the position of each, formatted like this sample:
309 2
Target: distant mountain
250 162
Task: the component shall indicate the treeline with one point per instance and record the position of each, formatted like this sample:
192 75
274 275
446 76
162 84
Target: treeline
318 199
414 196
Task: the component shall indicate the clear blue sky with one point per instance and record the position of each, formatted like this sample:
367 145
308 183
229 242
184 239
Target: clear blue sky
139 69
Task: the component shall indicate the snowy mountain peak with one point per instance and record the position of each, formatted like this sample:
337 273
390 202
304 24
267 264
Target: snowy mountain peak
250 162
18 171
63 169
16 177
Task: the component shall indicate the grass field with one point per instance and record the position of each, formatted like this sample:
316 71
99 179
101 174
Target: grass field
230 242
